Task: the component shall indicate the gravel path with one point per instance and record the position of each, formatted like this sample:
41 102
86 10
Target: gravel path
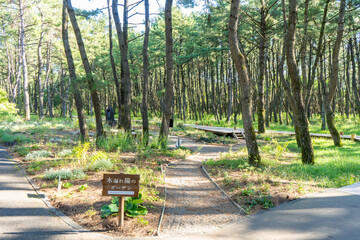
193 202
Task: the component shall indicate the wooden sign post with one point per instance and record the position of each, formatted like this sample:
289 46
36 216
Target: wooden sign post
121 185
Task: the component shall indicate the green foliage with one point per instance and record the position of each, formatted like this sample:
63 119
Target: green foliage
265 201
276 148
15 138
64 174
23 151
334 167
122 142
248 192
91 212
37 155
5 106
65 153
148 177
67 185
132 207
80 152
35 166
102 164
83 187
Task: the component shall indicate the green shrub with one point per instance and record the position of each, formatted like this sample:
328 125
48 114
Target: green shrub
80 152
20 138
35 166
83 187
122 142
101 165
23 151
5 106
36 155
67 185
65 153
64 174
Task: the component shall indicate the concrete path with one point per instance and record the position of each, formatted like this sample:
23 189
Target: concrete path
23 213
333 214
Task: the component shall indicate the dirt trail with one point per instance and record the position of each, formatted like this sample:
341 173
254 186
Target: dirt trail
193 202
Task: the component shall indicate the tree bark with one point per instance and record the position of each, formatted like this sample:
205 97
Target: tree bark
39 81
125 71
169 90
144 111
24 63
262 63
307 151
239 61
113 67
89 76
334 78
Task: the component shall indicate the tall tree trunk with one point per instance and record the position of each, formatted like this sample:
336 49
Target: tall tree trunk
262 62
303 50
169 90
334 78
307 151
89 76
24 63
113 67
144 111
230 84
240 63
39 82
319 51
125 71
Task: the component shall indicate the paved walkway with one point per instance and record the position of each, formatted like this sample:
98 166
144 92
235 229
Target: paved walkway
23 213
332 214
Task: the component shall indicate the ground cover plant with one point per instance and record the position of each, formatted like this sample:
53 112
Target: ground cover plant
282 176
51 149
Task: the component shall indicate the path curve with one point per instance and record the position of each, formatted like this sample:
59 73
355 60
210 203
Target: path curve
193 202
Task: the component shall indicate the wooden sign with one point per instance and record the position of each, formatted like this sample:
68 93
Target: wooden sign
125 185
121 185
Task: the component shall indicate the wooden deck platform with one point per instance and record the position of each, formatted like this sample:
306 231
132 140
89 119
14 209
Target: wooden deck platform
234 132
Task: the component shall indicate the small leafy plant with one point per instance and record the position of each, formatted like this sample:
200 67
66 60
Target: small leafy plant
132 207
67 185
83 187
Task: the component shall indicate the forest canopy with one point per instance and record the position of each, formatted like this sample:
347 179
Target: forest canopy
302 61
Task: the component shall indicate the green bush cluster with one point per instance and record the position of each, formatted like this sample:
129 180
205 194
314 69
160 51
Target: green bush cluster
12 138
5 106
37 155
122 142
102 164
65 153
64 174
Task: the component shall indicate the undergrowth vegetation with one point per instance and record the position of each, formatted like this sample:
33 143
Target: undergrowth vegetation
282 172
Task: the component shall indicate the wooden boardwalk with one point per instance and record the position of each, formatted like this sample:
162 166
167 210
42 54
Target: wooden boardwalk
239 131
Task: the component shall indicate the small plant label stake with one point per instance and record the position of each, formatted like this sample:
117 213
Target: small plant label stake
121 185
59 183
